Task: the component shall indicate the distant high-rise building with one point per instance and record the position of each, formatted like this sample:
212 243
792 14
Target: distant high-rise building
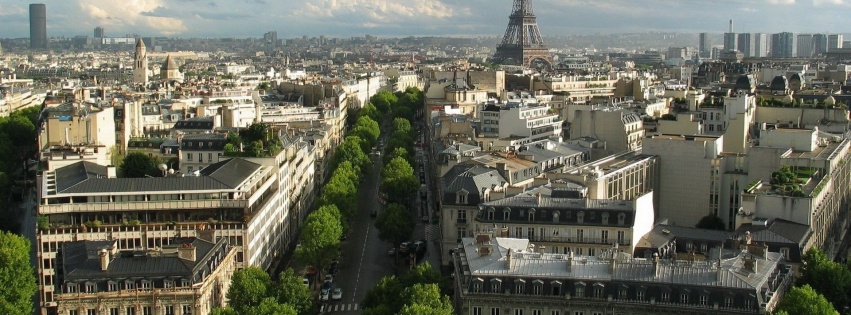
730 38
704 45
271 37
150 43
760 45
783 45
38 26
140 63
834 41
745 44
98 32
677 52
819 44
805 45
730 41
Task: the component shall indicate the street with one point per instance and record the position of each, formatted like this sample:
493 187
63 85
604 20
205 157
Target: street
364 256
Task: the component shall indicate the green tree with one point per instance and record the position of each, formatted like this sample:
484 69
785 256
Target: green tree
340 193
368 130
383 101
400 153
17 275
384 298
402 125
320 238
270 306
248 288
805 301
223 311
398 179
351 150
292 292
829 278
395 224
370 111
711 222
138 164
20 129
426 274
426 299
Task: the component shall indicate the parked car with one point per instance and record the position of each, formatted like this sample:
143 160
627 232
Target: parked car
420 246
329 278
305 281
405 247
334 267
337 294
325 292
425 218
391 252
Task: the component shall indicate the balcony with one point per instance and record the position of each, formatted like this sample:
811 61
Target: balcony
578 240
141 205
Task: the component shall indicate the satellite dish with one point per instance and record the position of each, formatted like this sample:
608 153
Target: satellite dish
162 167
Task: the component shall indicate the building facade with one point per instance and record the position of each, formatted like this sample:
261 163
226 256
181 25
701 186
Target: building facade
510 276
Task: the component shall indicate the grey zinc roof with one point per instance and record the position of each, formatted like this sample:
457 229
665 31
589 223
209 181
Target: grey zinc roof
228 174
778 231
731 273
81 261
472 178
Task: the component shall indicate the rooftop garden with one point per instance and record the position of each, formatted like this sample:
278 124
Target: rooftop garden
258 140
790 181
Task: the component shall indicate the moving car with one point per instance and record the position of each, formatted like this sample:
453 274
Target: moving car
337 294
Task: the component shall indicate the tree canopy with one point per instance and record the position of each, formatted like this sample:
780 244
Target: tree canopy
711 222
412 293
139 164
17 275
370 111
383 101
248 288
395 224
398 179
831 279
805 300
351 150
320 238
253 292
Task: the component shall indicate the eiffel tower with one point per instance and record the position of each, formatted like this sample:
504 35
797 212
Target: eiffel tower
522 43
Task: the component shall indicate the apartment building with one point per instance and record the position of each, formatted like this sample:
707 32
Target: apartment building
623 176
198 151
620 130
77 124
559 219
512 276
236 199
508 126
188 276
577 89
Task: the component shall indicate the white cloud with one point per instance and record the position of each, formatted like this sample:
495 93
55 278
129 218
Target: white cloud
380 11
129 15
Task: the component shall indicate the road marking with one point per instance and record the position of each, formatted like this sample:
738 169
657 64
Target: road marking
360 264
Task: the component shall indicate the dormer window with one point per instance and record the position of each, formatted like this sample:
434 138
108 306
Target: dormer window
605 217
90 287
531 215
461 197
555 216
490 214
496 285
621 219
580 217
112 286
477 285
519 286
506 215
129 285
71 288
146 284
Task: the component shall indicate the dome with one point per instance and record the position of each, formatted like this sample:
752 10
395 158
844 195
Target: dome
788 99
779 83
169 64
830 100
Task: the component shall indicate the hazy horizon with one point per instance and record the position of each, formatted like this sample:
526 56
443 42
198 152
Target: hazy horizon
388 18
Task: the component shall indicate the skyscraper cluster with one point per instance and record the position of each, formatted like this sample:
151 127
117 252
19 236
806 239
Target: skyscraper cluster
779 45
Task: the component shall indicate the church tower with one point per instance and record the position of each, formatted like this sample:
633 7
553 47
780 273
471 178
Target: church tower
140 63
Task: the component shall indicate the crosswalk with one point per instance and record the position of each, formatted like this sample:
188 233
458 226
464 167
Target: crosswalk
330 308
432 232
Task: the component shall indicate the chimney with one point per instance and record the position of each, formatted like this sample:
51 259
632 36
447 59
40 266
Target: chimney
508 260
186 252
569 261
104 259
539 198
110 171
750 263
748 238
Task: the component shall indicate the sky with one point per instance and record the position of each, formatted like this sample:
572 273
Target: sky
346 18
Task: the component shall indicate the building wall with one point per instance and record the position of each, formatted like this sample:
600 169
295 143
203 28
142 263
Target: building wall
688 174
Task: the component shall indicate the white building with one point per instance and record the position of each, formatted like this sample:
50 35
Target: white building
508 126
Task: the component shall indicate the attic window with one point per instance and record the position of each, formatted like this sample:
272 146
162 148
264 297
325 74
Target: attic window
621 219
580 217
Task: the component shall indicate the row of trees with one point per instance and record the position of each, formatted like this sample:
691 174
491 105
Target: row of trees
17 139
421 291
252 292
824 288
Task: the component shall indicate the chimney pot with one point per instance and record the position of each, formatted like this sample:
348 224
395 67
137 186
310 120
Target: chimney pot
104 259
